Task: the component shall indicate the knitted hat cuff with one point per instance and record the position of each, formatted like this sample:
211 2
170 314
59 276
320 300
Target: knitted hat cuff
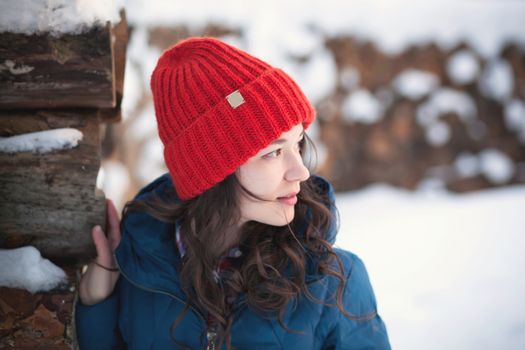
226 136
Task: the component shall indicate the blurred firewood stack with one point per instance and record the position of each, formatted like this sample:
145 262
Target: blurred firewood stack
457 131
427 116
49 200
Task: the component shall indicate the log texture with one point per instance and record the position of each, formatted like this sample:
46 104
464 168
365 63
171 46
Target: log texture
43 71
38 321
120 37
49 200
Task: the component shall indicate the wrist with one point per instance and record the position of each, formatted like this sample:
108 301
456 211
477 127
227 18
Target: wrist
110 269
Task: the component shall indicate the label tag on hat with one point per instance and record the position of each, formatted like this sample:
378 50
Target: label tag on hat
235 99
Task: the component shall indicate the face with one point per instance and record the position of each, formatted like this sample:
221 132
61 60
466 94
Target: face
273 175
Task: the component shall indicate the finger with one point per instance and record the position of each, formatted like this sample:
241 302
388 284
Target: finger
101 244
112 215
113 224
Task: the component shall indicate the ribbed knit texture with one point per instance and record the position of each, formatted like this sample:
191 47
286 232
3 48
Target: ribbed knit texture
205 138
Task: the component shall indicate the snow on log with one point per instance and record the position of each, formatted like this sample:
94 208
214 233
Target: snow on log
25 268
41 141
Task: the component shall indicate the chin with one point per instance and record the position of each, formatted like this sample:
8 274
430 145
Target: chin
270 215
279 219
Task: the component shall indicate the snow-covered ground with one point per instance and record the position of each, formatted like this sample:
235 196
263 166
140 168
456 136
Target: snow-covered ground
448 270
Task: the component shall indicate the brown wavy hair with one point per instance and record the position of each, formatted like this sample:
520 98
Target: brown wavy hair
275 259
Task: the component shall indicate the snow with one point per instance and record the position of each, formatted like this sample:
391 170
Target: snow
496 166
299 41
396 24
467 164
114 180
497 80
41 141
349 78
150 161
15 69
362 107
317 77
447 269
56 16
146 56
515 117
132 89
443 101
430 185
446 100
415 84
463 67
493 164
25 268
144 124
437 133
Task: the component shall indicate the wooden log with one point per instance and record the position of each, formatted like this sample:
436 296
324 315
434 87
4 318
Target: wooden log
43 71
49 200
120 36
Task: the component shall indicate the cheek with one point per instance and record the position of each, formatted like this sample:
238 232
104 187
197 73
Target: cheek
260 181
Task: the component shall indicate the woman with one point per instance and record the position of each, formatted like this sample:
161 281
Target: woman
233 248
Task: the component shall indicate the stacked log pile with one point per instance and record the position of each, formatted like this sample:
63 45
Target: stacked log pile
395 149
49 200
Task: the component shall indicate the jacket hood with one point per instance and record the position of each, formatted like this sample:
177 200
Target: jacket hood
148 244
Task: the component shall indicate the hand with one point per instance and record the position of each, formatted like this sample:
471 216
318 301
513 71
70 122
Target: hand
107 245
97 283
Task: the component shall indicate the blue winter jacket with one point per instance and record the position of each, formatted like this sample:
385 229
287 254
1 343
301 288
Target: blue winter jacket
148 297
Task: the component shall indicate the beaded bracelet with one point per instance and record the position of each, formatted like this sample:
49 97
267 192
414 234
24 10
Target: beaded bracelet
106 268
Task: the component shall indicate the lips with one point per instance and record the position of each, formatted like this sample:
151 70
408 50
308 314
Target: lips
290 199
289 195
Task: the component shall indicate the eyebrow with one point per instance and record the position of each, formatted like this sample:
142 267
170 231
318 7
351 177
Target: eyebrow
281 141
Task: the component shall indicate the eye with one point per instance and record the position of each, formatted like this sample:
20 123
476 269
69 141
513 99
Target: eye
295 147
274 154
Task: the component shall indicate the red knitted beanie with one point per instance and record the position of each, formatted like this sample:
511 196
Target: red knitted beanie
217 106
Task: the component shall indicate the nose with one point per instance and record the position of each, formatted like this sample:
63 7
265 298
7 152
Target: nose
296 171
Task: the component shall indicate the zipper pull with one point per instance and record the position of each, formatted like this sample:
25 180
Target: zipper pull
211 336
